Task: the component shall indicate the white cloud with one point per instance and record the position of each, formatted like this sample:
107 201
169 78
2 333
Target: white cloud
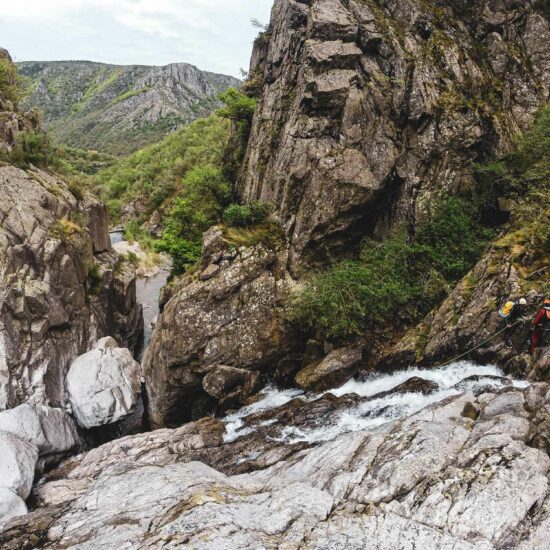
215 34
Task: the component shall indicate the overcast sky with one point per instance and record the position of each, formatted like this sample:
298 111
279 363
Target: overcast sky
215 35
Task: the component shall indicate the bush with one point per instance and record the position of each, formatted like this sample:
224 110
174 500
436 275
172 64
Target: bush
94 277
399 278
32 147
345 300
524 171
237 215
238 106
452 241
10 82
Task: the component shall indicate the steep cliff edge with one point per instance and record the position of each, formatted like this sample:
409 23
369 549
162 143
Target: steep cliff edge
62 286
370 109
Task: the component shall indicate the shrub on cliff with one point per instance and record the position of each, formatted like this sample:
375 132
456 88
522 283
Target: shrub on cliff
239 109
394 281
10 82
521 175
31 147
246 215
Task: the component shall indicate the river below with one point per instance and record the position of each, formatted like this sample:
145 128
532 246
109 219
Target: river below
148 287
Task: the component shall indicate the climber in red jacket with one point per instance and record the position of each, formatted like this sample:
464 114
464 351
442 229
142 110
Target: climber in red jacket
540 327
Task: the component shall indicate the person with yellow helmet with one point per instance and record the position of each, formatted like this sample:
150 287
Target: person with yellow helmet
512 312
540 327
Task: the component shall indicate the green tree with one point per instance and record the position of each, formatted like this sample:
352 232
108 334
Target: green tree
205 194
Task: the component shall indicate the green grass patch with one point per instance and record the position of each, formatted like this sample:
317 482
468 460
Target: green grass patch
129 94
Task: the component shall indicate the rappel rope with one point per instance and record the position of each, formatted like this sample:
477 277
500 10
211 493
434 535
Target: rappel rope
479 345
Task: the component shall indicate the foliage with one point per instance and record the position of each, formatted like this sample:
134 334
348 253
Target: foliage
65 228
239 108
155 173
269 233
94 277
452 241
71 160
200 204
31 147
10 82
254 213
523 172
391 277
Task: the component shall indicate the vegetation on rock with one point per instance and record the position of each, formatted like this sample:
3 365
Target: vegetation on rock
10 82
198 207
401 278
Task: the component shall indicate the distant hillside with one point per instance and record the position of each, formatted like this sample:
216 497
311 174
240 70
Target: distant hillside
118 109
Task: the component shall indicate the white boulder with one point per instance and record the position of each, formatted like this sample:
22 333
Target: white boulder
52 431
11 505
103 385
17 464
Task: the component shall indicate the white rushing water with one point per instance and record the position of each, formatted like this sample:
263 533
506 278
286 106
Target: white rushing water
376 411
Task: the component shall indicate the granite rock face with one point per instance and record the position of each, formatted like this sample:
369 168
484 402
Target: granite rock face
103 385
369 109
62 286
430 480
230 314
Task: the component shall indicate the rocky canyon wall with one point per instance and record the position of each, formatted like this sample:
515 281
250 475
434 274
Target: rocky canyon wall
62 287
370 108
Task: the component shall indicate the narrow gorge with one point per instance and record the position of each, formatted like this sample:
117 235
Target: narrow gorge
285 328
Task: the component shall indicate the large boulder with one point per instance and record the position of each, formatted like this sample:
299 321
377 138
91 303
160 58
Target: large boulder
332 371
104 385
232 312
61 286
11 505
32 438
17 465
231 386
52 431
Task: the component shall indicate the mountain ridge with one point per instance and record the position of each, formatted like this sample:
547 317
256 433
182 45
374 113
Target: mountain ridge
119 108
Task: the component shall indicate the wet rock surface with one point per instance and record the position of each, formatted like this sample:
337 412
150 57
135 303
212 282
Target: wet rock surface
333 370
428 480
62 287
